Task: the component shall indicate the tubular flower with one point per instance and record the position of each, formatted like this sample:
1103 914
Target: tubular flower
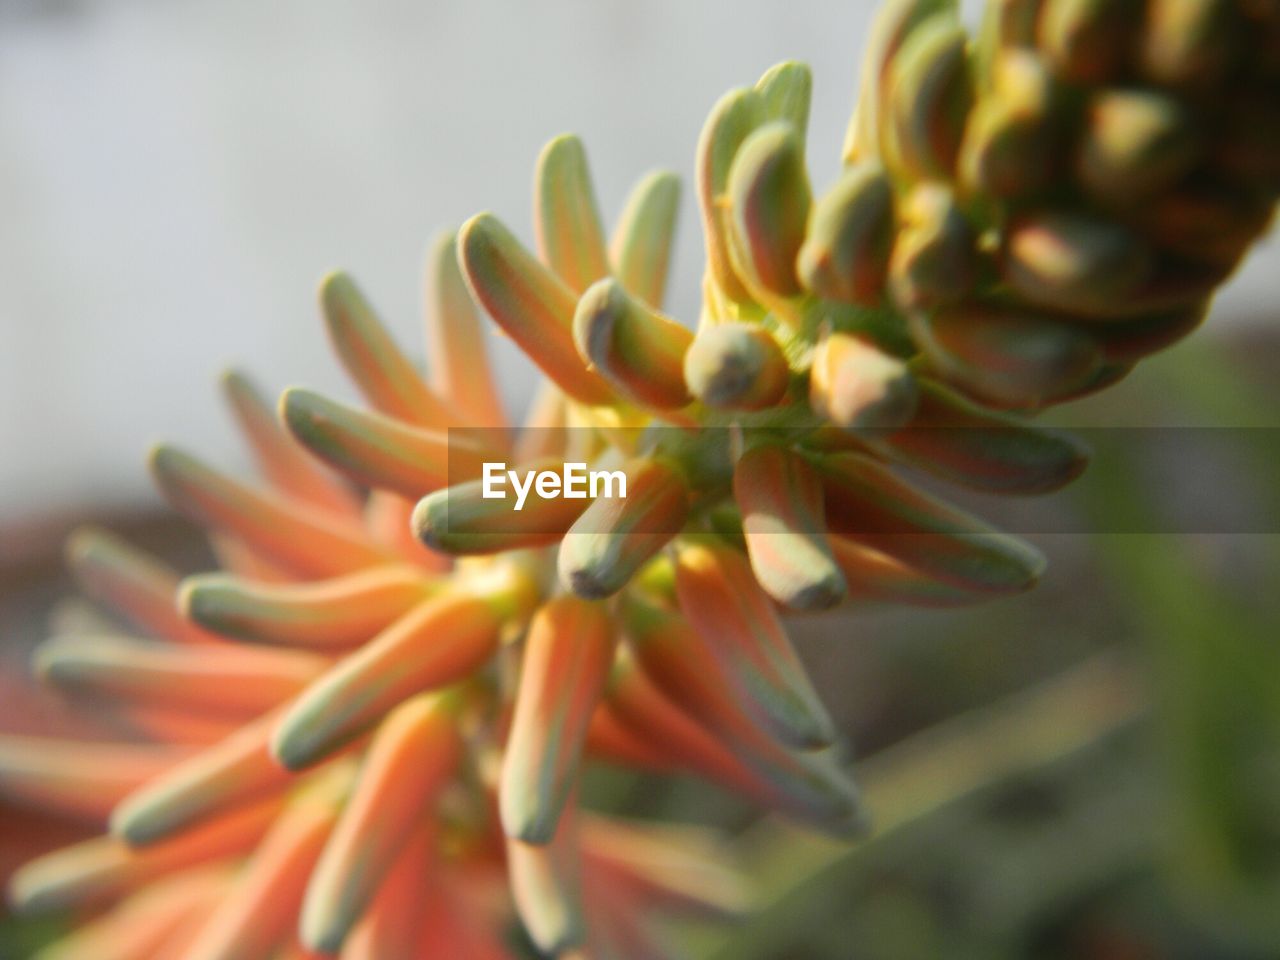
371 722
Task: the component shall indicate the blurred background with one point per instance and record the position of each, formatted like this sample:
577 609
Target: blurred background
174 179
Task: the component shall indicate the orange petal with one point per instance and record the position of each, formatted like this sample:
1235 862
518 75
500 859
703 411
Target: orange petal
379 451
104 867
292 536
80 780
144 925
132 582
229 773
412 756
337 612
780 497
566 659
736 620
529 302
866 502
222 680
258 916
439 642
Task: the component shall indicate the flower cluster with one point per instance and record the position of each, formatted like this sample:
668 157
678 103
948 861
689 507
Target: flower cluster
368 727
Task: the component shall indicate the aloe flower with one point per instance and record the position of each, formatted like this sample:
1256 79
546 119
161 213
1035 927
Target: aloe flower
364 733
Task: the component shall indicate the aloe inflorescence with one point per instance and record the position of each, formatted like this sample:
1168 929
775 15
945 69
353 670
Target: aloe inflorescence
368 727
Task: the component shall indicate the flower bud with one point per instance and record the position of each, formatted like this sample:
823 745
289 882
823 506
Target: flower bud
615 536
735 618
933 260
325 613
857 386
438 643
529 302
732 119
1074 262
284 463
1087 41
570 238
768 190
736 366
867 503
377 450
1006 356
462 520
961 442
132 583
410 759
930 97
846 254
101 869
781 502
640 352
293 537
383 373
456 355
641 248
567 656
1136 144
786 90
217 779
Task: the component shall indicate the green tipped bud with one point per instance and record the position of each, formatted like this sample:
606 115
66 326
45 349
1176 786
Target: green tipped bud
1088 41
296 538
846 254
735 366
570 238
962 442
930 96
1008 357
325 613
858 386
732 120
462 520
933 258
1189 41
377 450
641 352
1074 262
529 302
386 377
787 89
781 502
769 193
617 535
894 22
867 503
1136 143
641 248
